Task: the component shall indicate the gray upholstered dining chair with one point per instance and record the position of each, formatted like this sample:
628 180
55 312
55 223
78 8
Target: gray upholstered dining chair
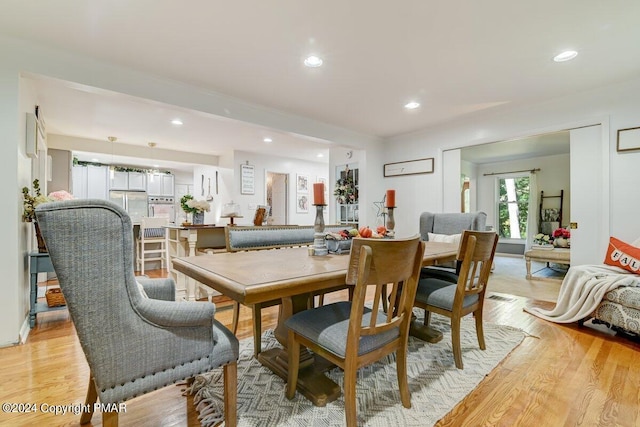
466 295
350 334
448 227
134 341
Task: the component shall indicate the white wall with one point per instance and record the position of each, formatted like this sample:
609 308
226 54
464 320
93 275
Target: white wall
470 170
263 164
225 190
614 105
15 101
371 186
552 177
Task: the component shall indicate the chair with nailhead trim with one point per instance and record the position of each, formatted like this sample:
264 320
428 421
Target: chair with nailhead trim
135 336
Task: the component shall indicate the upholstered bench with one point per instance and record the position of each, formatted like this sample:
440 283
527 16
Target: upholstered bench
271 237
557 255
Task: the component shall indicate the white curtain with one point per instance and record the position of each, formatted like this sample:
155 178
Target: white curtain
532 220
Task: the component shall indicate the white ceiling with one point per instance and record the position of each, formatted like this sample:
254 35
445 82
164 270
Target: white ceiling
456 58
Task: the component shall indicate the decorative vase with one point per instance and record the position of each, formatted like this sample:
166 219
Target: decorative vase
560 242
42 248
198 217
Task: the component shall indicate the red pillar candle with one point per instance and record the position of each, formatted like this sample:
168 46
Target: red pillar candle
318 193
391 198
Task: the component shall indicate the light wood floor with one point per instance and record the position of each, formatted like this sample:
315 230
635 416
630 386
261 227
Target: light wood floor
559 376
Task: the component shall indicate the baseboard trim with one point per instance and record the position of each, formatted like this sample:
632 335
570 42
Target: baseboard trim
25 330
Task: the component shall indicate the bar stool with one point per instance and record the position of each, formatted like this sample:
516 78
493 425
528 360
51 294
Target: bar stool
151 241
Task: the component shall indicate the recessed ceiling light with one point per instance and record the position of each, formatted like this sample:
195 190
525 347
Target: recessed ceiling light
411 105
320 155
95 160
176 122
268 140
156 166
313 61
567 55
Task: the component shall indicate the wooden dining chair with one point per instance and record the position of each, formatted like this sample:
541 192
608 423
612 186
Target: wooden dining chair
456 300
350 334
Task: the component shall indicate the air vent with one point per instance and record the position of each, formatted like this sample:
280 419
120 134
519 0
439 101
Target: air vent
499 298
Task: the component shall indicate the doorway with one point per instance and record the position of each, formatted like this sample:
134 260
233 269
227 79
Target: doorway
277 198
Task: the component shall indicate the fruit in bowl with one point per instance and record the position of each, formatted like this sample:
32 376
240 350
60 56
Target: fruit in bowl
342 234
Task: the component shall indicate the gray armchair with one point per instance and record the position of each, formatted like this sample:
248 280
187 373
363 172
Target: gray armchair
448 223
134 343
451 223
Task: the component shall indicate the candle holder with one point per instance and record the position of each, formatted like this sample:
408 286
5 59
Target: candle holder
391 222
319 239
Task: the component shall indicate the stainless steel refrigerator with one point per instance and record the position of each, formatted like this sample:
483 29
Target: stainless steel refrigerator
134 202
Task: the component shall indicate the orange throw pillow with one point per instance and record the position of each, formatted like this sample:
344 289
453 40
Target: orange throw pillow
623 255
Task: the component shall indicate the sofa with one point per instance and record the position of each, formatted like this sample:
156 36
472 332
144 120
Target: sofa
620 310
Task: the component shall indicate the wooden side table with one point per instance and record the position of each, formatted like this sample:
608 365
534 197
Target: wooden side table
557 255
38 263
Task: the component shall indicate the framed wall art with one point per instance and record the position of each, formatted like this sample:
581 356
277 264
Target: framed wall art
302 203
409 167
247 177
628 139
302 183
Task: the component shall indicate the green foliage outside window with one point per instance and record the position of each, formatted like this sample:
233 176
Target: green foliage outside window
520 204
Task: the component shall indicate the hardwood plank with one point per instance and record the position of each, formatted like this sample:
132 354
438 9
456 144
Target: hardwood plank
560 375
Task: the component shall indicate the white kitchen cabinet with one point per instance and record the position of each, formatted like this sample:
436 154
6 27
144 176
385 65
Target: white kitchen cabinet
137 181
97 182
122 180
160 184
79 182
90 182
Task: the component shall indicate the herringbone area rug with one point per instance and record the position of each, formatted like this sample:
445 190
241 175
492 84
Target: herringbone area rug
436 385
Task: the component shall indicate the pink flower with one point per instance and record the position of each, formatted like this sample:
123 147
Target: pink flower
562 232
60 195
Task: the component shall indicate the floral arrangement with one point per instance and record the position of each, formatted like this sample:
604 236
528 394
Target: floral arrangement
60 195
542 239
190 205
345 191
31 201
561 232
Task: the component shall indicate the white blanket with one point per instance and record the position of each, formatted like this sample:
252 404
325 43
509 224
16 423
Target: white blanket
582 289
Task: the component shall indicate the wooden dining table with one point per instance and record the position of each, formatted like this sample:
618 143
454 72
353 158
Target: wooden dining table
291 275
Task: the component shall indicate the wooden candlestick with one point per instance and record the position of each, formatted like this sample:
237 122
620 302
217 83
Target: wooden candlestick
319 242
391 222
